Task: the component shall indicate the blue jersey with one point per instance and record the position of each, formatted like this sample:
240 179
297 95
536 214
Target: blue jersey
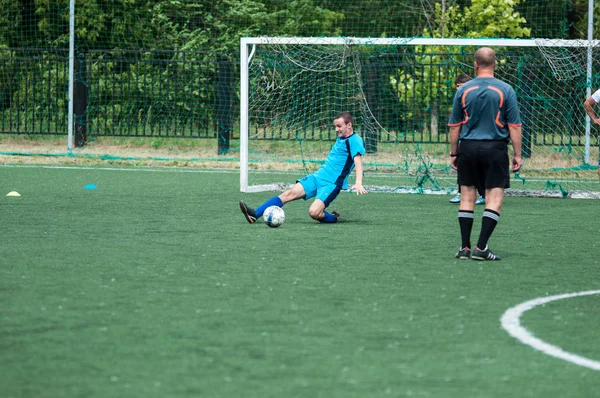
484 108
340 161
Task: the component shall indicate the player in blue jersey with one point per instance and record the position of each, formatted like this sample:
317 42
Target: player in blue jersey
326 183
485 117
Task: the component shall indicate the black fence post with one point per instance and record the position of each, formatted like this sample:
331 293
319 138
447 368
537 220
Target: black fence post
80 102
224 103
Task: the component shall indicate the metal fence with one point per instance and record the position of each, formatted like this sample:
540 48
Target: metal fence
118 93
193 94
33 91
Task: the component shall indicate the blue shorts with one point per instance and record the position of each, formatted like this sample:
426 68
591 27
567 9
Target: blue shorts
319 189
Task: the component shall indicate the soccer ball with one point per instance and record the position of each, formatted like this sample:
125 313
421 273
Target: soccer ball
274 216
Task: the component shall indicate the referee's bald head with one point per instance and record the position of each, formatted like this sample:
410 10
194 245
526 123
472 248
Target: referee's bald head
485 57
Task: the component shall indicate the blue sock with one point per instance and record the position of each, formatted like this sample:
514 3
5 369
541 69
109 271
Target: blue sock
329 218
274 201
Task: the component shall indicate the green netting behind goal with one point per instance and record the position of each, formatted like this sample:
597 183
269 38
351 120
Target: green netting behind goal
401 96
160 68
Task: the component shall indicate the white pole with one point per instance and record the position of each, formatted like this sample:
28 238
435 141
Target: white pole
588 90
71 72
243 115
419 41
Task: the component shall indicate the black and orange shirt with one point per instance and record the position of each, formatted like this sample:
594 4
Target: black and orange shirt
484 107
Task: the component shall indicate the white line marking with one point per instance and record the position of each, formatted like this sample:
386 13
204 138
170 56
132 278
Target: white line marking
132 168
510 322
147 168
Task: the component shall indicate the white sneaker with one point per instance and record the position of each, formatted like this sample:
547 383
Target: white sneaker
455 199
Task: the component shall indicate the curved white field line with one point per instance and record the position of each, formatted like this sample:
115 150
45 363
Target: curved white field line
510 322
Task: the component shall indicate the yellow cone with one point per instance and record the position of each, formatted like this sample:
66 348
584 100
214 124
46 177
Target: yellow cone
13 193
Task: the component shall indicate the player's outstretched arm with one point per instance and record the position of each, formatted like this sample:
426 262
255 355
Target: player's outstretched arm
358 169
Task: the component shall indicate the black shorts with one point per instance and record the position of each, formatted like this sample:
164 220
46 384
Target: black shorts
483 164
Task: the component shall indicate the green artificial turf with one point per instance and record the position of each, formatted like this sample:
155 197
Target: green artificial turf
154 285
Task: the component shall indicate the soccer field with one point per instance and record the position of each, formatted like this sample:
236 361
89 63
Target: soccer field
154 285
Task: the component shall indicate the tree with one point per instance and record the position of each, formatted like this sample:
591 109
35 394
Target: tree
19 24
579 19
487 19
378 18
301 18
430 80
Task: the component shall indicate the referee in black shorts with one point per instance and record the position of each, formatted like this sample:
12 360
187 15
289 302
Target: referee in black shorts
485 116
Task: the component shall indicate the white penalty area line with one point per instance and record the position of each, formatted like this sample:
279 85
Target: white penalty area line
511 323
132 168
148 169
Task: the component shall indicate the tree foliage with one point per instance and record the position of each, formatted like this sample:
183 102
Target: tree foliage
482 19
430 80
118 33
164 24
580 17
217 25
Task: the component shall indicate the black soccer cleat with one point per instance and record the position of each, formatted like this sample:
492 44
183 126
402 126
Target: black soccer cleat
464 253
336 214
484 255
248 212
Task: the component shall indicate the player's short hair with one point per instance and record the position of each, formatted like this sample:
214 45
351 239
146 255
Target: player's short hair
461 79
485 57
346 116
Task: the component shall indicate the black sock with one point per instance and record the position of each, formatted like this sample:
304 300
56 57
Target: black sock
488 223
465 220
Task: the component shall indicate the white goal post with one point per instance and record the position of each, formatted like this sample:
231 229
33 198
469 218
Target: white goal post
270 67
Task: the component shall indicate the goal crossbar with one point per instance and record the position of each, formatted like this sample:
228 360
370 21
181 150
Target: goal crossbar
419 41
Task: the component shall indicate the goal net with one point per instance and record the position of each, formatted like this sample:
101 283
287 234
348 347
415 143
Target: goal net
400 92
